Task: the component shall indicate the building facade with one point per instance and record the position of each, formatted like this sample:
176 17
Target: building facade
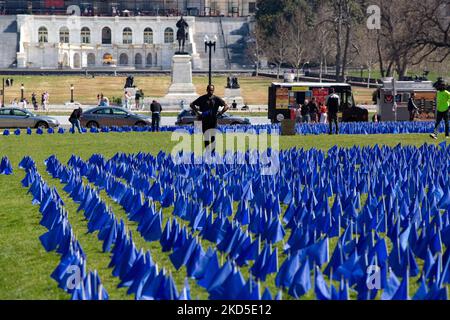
144 7
81 42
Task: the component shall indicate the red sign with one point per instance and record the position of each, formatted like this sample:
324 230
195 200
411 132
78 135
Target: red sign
54 3
320 94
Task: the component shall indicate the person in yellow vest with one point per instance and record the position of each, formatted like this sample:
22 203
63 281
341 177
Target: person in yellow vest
442 103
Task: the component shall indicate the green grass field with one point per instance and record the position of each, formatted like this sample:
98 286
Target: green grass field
254 90
25 267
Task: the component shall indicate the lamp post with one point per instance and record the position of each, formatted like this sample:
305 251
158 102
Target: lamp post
303 67
210 44
22 88
3 93
71 93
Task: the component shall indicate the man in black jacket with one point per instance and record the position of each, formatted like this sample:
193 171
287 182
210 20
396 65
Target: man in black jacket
156 109
74 119
333 103
412 107
207 108
313 110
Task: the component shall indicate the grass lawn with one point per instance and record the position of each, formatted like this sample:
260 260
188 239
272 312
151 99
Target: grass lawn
254 89
25 267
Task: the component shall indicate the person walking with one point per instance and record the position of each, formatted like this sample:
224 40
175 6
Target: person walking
34 101
443 103
323 113
156 109
412 107
46 100
137 99
126 100
306 117
313 110
207 108
24 103
333 103
43 101
298 114
74 119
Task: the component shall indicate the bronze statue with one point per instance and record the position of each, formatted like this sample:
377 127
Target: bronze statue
232 83
229 83
235 84
181 34
129 82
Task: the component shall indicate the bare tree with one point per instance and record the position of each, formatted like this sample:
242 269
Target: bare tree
342 16
277 43
255 46
323 44
366 46
411 31
300 39
433 27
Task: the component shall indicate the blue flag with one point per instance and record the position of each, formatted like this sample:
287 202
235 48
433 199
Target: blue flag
301 282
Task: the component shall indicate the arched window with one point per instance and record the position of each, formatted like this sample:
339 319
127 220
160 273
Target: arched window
138 59
168 35
149 60
127 36
64 35
43 35
123 59
66 60
76 61
85 35
106 35
148 36
91 59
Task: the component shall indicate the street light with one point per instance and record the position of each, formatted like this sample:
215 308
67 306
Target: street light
71 93
210 44
22 88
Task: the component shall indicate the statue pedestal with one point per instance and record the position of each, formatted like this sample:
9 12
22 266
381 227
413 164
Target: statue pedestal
182 77
181 88
233 94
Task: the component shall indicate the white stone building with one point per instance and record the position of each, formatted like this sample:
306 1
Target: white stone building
79 42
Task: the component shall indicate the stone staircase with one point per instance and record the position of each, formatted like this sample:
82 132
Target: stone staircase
9 41
210 26
236 32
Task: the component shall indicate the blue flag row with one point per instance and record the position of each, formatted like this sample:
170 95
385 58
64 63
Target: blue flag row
353 128
71 272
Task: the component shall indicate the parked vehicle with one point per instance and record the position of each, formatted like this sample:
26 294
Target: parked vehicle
187 117
283 97
22 118
113 116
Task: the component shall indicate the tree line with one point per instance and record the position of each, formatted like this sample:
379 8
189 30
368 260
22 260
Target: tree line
388 36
